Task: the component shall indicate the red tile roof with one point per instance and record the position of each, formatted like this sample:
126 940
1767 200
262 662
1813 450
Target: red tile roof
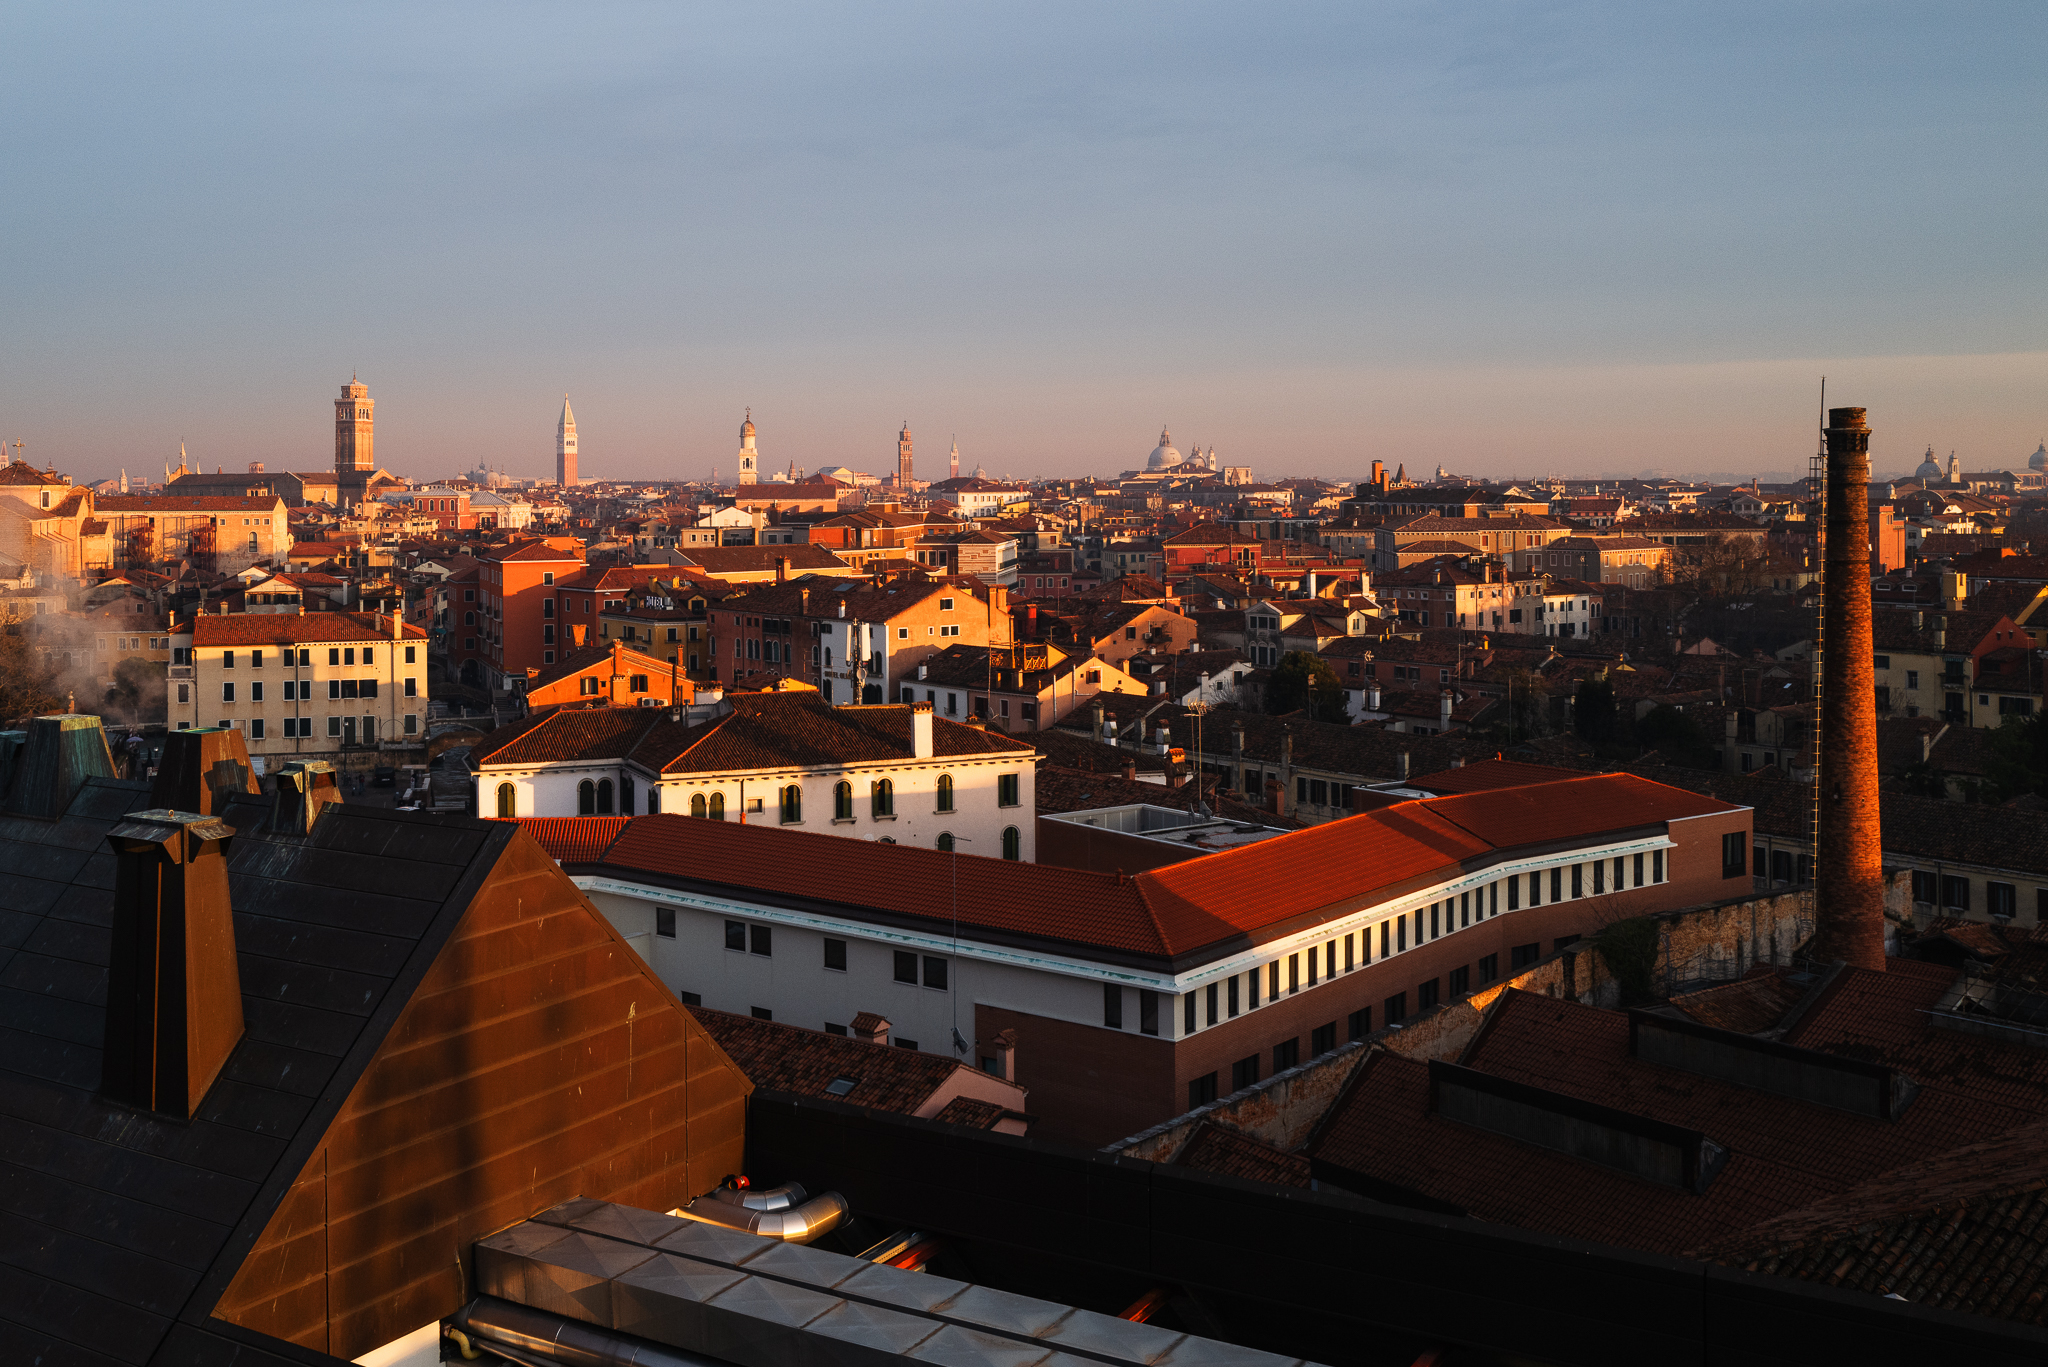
1212 1148
572 839
1783 1154
1169 912
309 628
1754 1004
1490 773
790 1058
184 503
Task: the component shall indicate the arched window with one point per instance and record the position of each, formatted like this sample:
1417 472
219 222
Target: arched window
882 798
842 801
604 797
945 840
508 800
1013 844
625 796
586 798
654 799
697 804
792 804
718 806
945 793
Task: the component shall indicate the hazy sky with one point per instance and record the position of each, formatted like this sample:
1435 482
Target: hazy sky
1522 238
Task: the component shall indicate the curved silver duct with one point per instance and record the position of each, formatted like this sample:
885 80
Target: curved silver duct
539 1339
763 1198
792 1224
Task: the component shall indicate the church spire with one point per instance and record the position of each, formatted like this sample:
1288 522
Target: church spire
565 447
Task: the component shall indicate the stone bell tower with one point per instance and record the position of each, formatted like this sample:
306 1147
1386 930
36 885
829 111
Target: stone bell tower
354 438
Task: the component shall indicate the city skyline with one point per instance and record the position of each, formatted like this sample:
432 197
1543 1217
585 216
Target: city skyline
1506 239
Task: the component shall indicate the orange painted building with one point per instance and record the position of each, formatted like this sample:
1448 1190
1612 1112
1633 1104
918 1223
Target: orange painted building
519 611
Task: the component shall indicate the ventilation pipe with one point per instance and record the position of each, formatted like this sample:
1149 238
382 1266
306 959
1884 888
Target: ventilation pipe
1444 703
1849 876
303 788
776 1213
1401 766
201 769
525 1335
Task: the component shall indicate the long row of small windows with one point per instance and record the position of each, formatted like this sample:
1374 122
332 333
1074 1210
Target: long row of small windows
1240 993
596 797
294 691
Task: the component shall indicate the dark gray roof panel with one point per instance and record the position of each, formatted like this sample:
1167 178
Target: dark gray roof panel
113 1218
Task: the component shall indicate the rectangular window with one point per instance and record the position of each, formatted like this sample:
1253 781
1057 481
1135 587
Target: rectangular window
409 654
2001 900
1148 1012
227 692
334 726
1536 889
761 940
1557 883
1286 1054
1187 1013
1734 856
665 922
348 655
1397 1008
1434 930
1578 883
227 659
1006 790
1201 1090
1322 1039
1639 870
255 659
906 967
412 687
1925 886
1955 892
835 955
1599 880
1656 866
1244 1073
1465 908
1521 956
1401 933
1425 995
1347 954
256 726
736 935
1311 956
1251 990
1459 981
1385 932
1272 981
1209 1002
1359 1023
1514 894
1489 968
1230 996
1293 974
1112 1006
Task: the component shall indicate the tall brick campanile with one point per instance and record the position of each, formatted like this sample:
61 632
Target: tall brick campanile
565 447
903 457
1848 873
354 438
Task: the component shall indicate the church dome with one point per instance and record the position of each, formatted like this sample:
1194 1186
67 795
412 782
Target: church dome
1163 455
1928 468
2039 460
747 427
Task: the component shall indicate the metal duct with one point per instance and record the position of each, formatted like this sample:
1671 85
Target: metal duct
764 1198
791 1224
536 1337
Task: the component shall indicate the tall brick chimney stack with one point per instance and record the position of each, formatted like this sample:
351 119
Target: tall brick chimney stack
1848 874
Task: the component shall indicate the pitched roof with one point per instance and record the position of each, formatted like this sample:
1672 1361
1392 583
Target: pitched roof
1748 1006
572 839
1229 897
21 472
185 503
128 1214
303 628
789 1058
743 559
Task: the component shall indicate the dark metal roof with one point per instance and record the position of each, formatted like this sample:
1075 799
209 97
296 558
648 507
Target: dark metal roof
117 1225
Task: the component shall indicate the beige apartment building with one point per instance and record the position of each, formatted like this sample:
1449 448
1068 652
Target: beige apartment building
318 685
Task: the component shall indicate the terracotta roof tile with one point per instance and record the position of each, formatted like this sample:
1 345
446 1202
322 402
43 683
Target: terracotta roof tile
972 1112
1749 1006
1212 1148
308 628
572 839
789 1058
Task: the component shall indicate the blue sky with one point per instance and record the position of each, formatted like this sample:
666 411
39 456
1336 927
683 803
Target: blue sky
1525 239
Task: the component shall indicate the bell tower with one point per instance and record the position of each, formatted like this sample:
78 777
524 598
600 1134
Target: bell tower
750 459
354 439
903 457
565 447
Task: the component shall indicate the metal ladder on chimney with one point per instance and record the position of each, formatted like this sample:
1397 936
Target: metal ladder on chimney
1817 476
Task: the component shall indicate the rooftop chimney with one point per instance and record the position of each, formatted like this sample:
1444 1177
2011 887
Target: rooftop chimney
1444 704
303 788
174 995
921 730
871 1027
200 769
60 754
1849 876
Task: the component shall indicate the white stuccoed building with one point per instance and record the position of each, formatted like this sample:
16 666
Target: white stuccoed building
784 758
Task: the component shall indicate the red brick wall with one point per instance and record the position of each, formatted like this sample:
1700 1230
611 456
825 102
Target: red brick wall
1087 1085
